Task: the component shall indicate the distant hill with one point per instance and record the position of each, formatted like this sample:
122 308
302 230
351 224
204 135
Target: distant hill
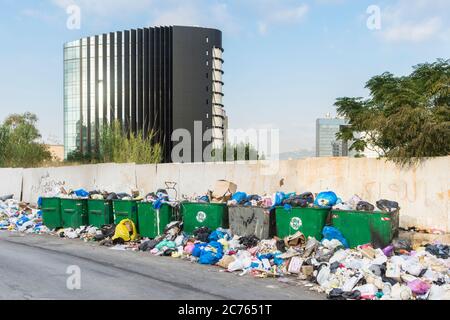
300 154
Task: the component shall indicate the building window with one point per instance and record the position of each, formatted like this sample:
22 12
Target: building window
207 63
207 52
207 88
207 75
207 40
207 101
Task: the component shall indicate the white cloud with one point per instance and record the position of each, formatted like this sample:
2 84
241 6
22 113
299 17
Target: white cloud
289 14
182 15
229 16
195 12
209 13
37 14
278 13
415 20
107 7
416 32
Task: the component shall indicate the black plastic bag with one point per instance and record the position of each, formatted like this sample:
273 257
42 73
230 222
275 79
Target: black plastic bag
387 206
364 206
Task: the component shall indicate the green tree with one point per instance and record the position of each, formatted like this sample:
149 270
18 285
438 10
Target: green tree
117 147
237 152
19 142
406 119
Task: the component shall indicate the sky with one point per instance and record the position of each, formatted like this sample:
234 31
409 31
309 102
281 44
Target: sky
286 61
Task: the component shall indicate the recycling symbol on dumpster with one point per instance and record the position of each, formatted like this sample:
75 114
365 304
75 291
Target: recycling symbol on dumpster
296 223
201 216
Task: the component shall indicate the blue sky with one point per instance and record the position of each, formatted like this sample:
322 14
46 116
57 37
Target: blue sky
286 61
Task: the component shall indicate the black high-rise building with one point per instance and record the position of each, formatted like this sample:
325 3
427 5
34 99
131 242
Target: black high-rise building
160 79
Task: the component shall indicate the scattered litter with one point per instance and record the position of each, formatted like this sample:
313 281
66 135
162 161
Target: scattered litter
323 265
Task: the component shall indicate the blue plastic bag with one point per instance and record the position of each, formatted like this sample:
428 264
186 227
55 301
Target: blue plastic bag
330 233
279 197
81 193
217 235
198 248
211 254
239 197
277 260
326 199
203 199
22 220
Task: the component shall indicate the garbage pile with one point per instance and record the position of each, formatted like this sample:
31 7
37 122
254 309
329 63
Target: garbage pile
61 192
355 203
20 216
395 273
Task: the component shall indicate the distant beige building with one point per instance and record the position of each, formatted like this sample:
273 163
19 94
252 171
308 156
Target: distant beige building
57 152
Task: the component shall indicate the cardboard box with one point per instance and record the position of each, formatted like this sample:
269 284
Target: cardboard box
223 191
295 265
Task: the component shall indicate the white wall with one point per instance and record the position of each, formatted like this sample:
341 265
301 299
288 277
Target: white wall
37 182
11 182
423 192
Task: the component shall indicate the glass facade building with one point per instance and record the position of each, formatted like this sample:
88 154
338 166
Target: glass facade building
149 79
326 143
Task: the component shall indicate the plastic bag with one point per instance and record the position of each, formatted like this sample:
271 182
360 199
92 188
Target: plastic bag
387 206
364 206
122 231
166 244
343 207
211 254
419 287
323 275
243 261
198 248
326 199
81 193
401 245
353 201
239 197
330 233
217 235
278 199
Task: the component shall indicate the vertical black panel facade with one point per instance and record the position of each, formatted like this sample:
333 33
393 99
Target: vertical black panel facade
112 77
156 80
133 81
97 94
88 93
146 84
119 78
105 79
140 80
126 82
152 80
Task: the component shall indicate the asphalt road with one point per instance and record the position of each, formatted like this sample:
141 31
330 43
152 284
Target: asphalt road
34 267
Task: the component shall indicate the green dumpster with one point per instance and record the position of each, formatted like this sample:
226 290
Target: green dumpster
125 209
152 222
74 213
362 227
51 212
211 215
100 213
309 221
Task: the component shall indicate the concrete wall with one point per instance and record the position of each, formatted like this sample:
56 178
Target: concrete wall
423 192
11 182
